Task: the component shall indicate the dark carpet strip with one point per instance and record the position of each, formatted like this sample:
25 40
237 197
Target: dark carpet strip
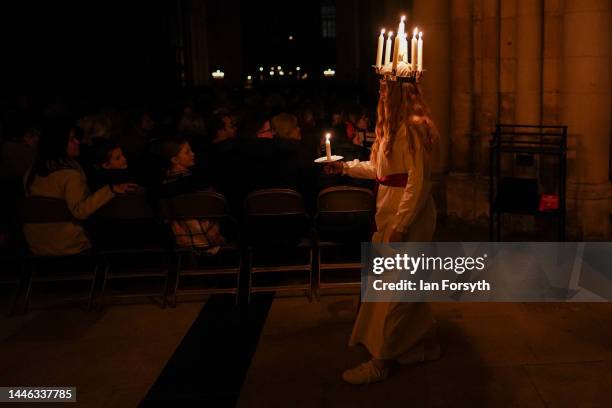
209 366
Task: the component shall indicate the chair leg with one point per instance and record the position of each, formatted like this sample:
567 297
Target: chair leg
26 299
250 274
104 282
177 273
164 294
24 279
310 273
90 299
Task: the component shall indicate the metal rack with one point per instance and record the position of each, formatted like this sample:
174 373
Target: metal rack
520 195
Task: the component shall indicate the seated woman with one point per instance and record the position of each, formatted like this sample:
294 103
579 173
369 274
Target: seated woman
56 174
201 235
109 165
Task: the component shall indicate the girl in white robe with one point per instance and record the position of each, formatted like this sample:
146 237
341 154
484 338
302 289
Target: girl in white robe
406 139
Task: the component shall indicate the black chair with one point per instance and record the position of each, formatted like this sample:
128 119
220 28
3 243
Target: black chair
210 264
279 238
343 221
78 267
132 246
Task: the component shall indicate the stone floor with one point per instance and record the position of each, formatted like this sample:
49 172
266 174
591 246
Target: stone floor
502 355
111 356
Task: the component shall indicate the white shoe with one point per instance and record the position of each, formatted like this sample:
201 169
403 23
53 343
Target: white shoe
365 373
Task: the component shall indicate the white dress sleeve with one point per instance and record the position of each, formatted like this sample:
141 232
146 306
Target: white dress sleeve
359 169
416 191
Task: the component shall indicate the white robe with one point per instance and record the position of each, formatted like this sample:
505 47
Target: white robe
390 329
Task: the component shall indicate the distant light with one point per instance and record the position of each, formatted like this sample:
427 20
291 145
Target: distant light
260 69
290 72
271 73
290 38
329 72
249 77
305 76
279 67
218 74
297 68
281 73
271 68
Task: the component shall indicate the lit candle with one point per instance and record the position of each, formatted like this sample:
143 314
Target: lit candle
396 47
400 33
328 146
404 50
379 51
401 28
420 53
413 49
388 48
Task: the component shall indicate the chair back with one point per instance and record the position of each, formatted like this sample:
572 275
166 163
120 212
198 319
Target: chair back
343 199
195 205
345 214
127 207
44 210
276 216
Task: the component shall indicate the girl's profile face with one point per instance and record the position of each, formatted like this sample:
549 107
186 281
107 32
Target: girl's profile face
73 149
185 158
116 160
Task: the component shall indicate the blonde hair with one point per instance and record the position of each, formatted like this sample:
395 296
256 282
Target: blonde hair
283 124
401 104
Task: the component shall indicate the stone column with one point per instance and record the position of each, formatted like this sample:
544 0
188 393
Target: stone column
433 18
460 191
462 56
529 62
586 107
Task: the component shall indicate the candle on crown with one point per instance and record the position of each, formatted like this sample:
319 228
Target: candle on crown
328 146
396 49
379 51
413 49
400 34
388 48
420 53
404 50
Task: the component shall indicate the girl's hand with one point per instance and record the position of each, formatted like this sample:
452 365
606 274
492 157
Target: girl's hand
124 188
334 168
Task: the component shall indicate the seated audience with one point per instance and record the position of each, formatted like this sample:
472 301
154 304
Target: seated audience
109 165
56 174
201 235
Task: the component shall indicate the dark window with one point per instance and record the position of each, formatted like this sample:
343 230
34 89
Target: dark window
328 19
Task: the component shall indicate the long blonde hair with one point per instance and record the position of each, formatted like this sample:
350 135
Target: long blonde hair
401 103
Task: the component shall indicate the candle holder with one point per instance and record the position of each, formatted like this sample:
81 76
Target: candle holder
392 75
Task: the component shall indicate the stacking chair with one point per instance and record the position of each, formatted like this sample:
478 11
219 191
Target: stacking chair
193 263
132 248
279 239
13 276
71 268
344 219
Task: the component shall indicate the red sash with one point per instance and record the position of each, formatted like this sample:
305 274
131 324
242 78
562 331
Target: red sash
392 180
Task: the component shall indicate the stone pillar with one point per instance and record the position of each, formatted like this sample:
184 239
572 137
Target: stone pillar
462 55
460 191
586 107
486 90
529 62
433 18
198 43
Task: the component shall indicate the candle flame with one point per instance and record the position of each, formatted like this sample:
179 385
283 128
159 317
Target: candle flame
382 31
327 136
421 35
416 31
403 18
390 34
